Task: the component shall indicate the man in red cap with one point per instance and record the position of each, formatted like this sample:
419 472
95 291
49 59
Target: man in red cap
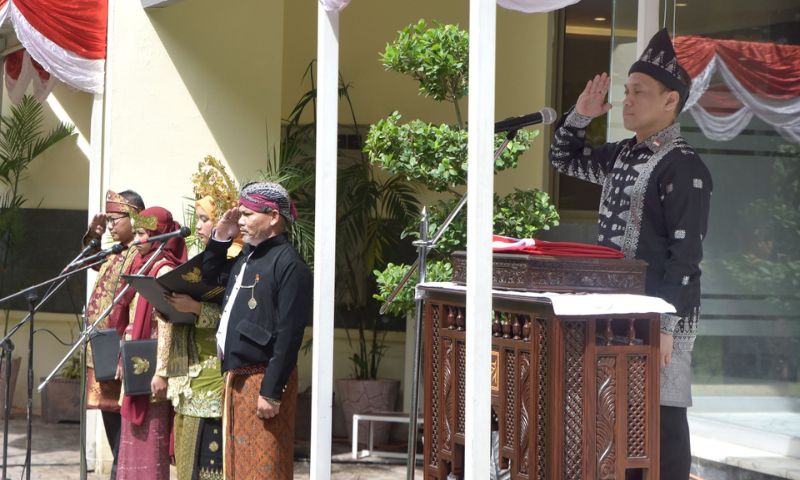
104 395
654 207
266 308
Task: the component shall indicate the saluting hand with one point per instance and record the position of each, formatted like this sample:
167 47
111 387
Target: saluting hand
592 101
98 224
228 225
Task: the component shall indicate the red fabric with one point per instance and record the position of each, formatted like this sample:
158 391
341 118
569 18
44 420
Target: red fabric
765 69
13 64
134 408
720 101
556 249
76 25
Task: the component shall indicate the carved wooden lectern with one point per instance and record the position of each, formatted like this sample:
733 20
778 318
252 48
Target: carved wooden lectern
575 397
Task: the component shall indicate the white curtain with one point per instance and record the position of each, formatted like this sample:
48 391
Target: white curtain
334 5
16 87
535 6
82 73
527 6
783 115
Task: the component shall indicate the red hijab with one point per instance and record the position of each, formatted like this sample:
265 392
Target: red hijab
173 254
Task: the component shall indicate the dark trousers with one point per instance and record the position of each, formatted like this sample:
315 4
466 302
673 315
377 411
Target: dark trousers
112 422
676 452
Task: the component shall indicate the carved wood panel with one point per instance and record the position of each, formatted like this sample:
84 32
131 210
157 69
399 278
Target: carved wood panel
575 336
606 420
551 374
637 406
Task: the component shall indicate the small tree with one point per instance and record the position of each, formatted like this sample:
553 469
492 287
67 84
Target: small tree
22 139
435 156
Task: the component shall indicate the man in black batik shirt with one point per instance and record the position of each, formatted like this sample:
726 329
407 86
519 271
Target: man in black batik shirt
654 207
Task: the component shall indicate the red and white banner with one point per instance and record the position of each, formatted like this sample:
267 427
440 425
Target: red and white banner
527 6
67 38
761 79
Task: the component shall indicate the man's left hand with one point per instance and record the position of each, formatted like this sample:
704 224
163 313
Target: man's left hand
266 409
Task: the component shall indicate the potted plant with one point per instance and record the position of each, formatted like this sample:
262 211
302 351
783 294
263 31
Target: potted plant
61 397
435 156
369 206
22 139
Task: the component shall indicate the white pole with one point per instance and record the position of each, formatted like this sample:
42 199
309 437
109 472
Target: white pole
646 24
480 188
97 451
324 241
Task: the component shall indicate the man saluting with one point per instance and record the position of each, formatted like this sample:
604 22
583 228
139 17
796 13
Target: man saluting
265 310
654 206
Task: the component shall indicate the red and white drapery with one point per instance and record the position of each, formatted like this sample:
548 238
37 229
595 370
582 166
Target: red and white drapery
65 39
527 6
761 79
20 71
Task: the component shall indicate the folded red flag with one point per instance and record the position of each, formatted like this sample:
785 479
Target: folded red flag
556 249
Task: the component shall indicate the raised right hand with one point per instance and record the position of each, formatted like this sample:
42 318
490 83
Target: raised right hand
228 225
592 102
98 224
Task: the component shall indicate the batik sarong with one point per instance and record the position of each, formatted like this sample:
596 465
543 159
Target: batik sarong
257 449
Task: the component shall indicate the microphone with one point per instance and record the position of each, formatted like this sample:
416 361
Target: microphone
93 243
182 232
546 116
116 248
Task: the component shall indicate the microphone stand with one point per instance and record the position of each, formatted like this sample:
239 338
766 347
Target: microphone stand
8 346
423 247
81 342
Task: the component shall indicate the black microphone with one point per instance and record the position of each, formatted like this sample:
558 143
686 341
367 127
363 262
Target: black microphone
182 232
546 115
116 248
93 243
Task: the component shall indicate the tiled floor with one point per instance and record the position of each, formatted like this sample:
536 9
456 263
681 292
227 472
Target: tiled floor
54 455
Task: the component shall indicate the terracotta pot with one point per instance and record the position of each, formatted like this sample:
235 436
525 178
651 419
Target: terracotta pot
15 362
365 396
61 400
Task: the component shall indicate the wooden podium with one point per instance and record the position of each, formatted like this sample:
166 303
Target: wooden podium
575 397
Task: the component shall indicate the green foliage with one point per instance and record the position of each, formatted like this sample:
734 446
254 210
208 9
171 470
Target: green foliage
522 213
774 263
367 205
435 57
390 277
72 369
434 155
22 139
519 214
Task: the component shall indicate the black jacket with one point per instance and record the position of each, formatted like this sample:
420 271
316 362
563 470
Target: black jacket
654 206
273 331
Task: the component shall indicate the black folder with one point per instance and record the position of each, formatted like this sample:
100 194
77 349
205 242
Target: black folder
105 353
186 278
138 365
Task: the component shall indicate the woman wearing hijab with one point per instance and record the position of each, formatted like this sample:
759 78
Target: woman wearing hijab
196 391
144 439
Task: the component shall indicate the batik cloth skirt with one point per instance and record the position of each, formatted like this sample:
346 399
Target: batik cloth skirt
198 447
255 448
102 395
144 449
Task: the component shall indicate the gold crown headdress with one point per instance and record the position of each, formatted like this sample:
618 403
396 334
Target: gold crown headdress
212 180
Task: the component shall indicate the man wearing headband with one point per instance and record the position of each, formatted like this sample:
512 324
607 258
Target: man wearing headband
104 395
654 207
266 308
